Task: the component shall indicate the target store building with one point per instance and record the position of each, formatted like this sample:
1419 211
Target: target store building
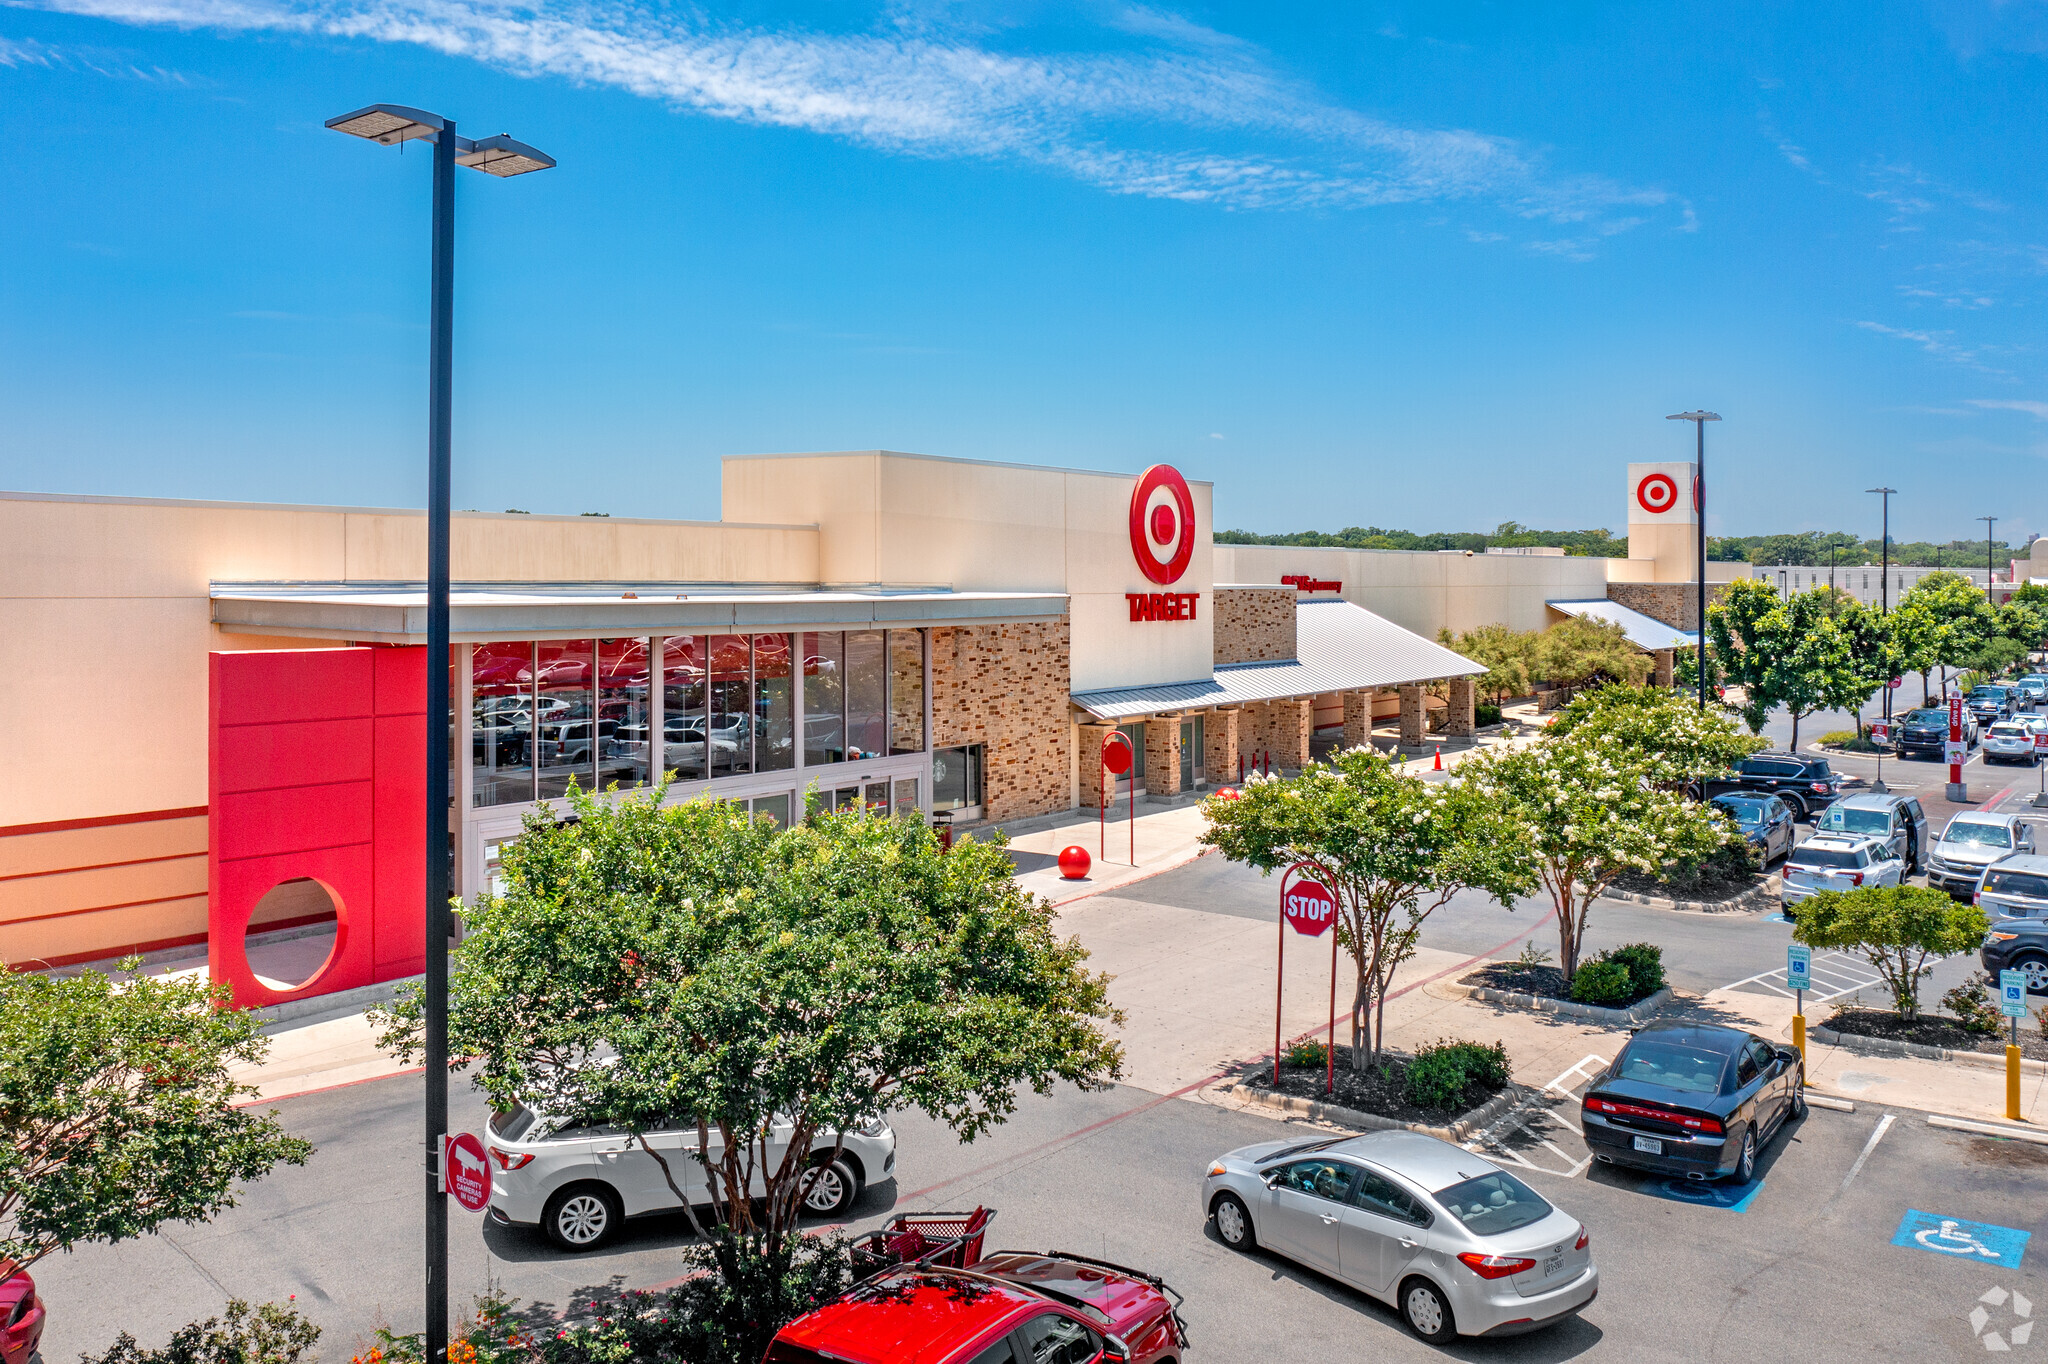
219 708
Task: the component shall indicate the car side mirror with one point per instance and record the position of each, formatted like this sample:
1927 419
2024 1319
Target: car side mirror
1113 1347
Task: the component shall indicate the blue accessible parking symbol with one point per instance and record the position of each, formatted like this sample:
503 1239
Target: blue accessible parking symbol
1980 1242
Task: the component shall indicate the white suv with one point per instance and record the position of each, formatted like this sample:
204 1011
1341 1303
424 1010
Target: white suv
1839 862
578 1183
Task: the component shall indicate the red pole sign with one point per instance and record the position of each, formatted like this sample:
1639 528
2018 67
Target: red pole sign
1312 910
1116 760
465 1171
1955 738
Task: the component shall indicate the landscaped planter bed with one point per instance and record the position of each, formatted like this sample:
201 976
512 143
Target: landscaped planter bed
1929 1031
1376 1099
1541 989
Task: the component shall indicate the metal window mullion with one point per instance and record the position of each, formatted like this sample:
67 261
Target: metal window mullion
657 688
533 720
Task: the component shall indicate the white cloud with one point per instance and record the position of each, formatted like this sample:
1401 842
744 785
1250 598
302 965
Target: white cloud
2027 405
16 53
1215 435
1936 344
1167 109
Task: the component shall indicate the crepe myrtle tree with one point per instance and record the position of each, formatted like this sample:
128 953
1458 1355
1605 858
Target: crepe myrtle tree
118 1108
1390 847
1677 744
761 986
1584 811
1896 929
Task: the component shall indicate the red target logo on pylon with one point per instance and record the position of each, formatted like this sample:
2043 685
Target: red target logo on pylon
1162 524
1657 493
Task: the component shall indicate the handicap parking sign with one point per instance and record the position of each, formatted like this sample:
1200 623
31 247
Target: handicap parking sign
1799 967
1978 1242
2012 994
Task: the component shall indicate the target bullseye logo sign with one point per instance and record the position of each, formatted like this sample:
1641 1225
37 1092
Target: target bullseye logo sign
1657 493
1162 524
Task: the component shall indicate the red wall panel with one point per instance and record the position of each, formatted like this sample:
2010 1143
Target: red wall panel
302 750
264 687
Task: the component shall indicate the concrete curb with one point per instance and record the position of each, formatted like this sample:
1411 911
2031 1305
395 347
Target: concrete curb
1988 1129
1457 1130
1756 897
1885 1046
1565 1008
335 1005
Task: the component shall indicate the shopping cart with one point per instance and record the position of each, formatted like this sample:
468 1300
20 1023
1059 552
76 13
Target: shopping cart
951 1239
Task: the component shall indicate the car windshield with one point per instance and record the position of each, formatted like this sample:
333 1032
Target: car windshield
1493 1203
1987 694
1742 811
2032 885
1810 856
1982 835
1857 821
1926 717
1672 1065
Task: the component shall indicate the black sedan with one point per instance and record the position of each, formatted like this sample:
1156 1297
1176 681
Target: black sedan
1694 1100
1764 821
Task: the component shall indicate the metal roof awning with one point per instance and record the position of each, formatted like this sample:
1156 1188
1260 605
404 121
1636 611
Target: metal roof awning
1645 632
1339 647
477 614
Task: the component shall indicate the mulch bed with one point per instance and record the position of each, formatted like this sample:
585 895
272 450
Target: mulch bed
1381 1090
1545 982
1931 1030
1711 884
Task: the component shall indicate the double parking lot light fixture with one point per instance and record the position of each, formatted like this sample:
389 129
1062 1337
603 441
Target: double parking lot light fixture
392 125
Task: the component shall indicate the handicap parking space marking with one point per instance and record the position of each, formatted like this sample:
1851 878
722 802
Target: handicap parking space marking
1517 1138
1732 1197
1957 1239
1835 974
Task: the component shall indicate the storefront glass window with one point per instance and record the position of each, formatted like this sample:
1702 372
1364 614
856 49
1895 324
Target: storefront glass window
824 698
956 777
906 796
564 716
623 713
732 709
1136 734
867 695
683 693
906 691
773 807
774 705
501 723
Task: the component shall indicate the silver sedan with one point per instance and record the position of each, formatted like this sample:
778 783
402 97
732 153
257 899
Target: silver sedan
1457 1244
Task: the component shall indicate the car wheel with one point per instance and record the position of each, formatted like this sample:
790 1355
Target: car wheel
1745 1164
830 1188
2035 969
1429 1316
1234 1223
582 1217
1799 1097
1798 808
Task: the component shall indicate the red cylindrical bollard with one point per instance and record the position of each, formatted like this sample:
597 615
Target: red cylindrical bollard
1074 862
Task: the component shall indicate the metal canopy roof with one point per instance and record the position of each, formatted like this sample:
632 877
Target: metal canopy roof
1340 647
1645 632
478 613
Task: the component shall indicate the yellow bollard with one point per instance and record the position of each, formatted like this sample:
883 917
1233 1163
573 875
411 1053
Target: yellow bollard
2012 1083
1799 1043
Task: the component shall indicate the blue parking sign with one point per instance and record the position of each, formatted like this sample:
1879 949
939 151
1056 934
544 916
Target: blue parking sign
1978 1242
1798 967
2012 994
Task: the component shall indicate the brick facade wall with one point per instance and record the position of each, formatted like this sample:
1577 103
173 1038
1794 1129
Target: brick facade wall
1005 687
1254 624
1671 603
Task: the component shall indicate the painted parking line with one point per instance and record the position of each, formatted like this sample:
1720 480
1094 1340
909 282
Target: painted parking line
1883 1125
1834 974
1957 1239
1529 1139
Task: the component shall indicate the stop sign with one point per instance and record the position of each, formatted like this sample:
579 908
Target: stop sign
1309 907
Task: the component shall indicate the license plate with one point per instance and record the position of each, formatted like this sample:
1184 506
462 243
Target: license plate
1552 1265
1651 1145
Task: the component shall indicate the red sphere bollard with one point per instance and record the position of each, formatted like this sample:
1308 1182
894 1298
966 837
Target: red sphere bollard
1074 862
1226 793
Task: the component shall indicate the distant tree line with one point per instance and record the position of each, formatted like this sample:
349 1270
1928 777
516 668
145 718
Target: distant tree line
1811 548
1599 544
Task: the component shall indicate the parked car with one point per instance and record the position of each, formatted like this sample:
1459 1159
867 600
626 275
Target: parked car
2015 898
1898 820
2011 741
1989 705
2016 888
1012 1307
1805 784
1764 821
1457 1244
1838 862
2035 687
1925 731
1971 843
22 1311
1693 1099
577 1182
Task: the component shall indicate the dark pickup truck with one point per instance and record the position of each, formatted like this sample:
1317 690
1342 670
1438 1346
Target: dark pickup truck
1806 785
1926 731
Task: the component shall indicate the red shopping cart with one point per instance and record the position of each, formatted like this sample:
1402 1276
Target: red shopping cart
951 1239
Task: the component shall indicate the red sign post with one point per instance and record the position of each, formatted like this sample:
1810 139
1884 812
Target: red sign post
1116 760
1310 907
465 1170
1955 746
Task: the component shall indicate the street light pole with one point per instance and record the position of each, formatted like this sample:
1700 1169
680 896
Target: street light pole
390 124
1884 579
1699 420
1989 522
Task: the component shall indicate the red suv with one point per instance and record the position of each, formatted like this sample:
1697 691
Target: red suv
1014 1307
21 1316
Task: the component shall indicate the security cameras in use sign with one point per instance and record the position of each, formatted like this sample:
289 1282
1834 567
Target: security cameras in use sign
466 1171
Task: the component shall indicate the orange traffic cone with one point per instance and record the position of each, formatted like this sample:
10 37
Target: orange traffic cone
1439 757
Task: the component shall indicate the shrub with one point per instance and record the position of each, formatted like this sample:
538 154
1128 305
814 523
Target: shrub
1602 982
1310 1053
1645 964
1972 1005
1486 715
1835 738
268 1334
1439 1075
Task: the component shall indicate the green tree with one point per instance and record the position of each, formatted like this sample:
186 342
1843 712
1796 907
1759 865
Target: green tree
1915 640
1896 929
1783 652
1676 743
269 1333
1958 617
1586 812
1392 848
118 1110
764 987
1581 649
1871 657
1507 655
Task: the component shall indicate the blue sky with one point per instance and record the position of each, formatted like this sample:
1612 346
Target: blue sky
1432 265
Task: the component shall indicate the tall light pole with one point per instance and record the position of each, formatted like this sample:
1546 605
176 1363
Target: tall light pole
1989 522
390 125
1884 578
1699 420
